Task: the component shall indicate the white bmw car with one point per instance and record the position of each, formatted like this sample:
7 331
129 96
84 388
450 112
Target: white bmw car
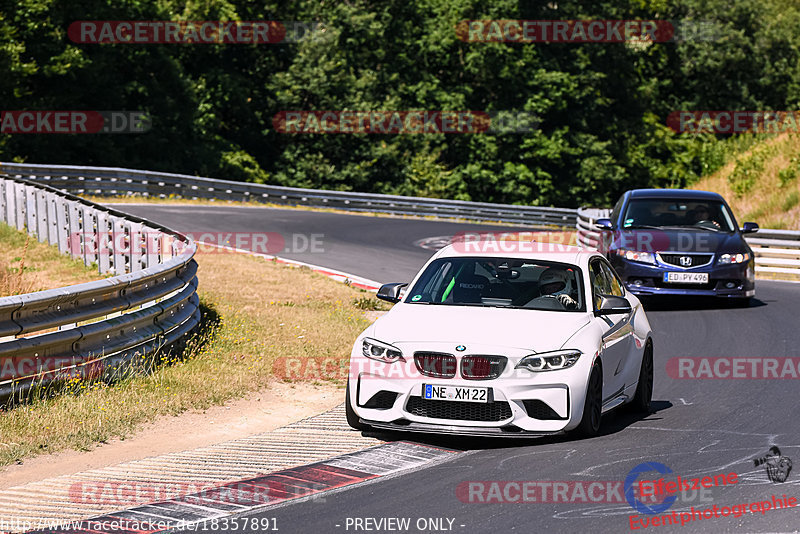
538 339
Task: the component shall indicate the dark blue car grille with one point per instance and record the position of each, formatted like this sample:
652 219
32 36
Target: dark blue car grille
694 260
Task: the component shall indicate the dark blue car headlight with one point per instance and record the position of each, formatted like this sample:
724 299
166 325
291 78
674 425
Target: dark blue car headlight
637 256
728 259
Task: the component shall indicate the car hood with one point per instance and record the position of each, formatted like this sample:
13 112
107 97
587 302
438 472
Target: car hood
685 240
461 325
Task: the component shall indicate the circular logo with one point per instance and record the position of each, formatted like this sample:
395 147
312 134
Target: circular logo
461 348
630 482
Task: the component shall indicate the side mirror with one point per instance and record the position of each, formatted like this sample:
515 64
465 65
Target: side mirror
391 292
611 305
749 228
604 224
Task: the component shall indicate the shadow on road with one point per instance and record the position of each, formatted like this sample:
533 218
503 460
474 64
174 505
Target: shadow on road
613 422
674 303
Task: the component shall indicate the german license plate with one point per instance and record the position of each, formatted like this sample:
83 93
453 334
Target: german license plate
455 393
686 278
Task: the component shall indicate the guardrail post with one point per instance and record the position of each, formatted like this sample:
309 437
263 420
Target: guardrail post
89 237
3 202
42 219
30 210
103 246
51 200
135 245
62 224
121 246
152 248
75 225
19 201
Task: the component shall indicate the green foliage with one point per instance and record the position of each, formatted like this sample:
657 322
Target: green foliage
601 108
791 200
749 168
789 174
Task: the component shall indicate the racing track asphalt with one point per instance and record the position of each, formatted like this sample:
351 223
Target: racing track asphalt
699 427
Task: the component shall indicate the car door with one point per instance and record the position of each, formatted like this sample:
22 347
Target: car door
617 330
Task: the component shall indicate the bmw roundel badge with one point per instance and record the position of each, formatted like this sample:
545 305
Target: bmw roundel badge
461 348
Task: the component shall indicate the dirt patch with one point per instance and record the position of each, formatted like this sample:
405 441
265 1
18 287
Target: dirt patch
262 411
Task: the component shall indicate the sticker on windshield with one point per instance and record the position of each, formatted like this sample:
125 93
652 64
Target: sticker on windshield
416 297
628 222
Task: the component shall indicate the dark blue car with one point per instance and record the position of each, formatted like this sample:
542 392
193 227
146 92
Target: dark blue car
679 242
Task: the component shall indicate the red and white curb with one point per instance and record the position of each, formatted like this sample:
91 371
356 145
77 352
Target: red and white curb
191 511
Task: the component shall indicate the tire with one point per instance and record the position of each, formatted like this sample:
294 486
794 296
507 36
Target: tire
644 389
592 406
352 418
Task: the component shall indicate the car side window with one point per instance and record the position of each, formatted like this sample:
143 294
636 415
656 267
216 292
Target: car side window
599 281
614 282
617 209
436 279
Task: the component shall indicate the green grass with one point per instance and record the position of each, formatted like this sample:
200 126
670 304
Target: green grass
761 183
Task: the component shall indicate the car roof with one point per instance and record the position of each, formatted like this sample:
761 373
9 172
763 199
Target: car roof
532 250
675 193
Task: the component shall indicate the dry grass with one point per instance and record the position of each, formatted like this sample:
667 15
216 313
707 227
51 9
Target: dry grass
28 265
773 198
266 312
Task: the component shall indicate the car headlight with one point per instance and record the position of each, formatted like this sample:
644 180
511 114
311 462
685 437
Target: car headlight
549 361
383 352
635 255
727 259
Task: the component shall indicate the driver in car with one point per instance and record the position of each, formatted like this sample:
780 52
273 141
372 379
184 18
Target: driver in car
702 214
556 283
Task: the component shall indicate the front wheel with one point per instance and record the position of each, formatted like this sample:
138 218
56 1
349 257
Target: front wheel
593 405
352 417
644 390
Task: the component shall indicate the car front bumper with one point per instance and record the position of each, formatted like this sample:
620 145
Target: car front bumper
389 396
725 281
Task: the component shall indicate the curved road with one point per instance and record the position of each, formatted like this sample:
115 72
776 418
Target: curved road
700 427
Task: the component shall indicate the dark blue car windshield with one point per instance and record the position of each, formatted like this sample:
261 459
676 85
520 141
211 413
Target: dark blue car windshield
699 214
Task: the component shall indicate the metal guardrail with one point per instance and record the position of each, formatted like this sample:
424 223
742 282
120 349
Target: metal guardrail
107 181
89 329
777 251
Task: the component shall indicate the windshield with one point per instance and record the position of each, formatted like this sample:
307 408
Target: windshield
699 214
500 282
